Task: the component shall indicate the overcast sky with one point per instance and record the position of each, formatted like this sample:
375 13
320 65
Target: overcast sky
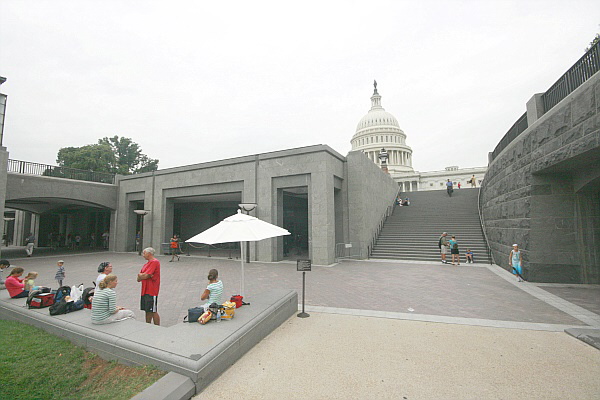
199 81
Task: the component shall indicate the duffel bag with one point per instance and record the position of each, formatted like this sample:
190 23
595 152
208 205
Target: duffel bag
193 314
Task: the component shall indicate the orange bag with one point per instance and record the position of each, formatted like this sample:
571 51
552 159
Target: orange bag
204 318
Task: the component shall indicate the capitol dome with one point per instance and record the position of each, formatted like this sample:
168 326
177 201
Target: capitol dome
379 129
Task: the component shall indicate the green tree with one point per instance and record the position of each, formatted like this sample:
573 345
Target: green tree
129 158
113 155
593 42
92 157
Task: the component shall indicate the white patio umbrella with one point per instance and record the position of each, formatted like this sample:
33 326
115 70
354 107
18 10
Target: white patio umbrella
239 228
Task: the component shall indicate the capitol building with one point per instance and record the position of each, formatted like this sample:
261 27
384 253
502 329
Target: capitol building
379 130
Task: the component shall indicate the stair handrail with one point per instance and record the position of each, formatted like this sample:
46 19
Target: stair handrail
388 211
482 223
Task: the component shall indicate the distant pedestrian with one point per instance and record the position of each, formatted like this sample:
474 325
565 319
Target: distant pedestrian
449 188
473 181
443 245
458 185
93 240
60 273
105 237
150 278
174 248
454 250
469 256
29 243
515 261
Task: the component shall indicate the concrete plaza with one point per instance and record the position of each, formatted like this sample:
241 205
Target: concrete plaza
391 329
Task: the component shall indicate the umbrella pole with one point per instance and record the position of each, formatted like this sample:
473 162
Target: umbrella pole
242 280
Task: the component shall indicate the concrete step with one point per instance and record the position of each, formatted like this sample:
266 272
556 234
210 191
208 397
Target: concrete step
412 233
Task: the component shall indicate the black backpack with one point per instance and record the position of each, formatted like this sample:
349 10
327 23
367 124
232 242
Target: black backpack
87 294
61 293
64 307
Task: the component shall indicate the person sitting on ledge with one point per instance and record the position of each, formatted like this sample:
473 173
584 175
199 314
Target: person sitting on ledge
14 284
105 268
214 290
104 308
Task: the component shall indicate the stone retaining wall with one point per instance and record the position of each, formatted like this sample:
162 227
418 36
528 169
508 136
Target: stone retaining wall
543 191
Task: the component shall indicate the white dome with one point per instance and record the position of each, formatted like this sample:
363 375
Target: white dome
379 129
377 117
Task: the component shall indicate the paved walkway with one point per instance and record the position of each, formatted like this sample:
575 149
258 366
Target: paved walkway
428 330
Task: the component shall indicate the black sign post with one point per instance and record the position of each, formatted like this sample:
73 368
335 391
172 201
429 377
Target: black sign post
303 265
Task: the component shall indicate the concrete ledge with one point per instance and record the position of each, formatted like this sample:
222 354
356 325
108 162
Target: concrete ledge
198 352
170 387
589 336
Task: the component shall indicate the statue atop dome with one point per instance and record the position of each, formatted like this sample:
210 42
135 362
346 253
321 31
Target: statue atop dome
375 85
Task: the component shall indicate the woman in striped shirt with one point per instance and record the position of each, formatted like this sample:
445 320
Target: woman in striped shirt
214 290
104 308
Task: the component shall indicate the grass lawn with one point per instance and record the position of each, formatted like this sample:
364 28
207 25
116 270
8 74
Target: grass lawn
37 365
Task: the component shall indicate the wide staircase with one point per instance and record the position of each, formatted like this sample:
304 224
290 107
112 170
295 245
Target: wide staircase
412 233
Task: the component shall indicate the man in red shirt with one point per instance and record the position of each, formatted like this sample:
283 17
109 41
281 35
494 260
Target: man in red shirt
150 278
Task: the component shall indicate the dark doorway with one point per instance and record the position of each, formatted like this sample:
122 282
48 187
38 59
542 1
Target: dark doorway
295 220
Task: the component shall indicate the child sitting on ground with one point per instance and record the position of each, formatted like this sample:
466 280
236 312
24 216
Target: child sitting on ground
29 281
469 255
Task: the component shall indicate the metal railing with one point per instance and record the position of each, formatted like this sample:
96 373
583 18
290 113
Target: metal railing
482 223
580 72
514 131
31 168
207 250
389 211
348 250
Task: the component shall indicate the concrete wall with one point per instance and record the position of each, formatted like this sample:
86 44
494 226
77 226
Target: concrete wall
543 191
31 187
256 179
3 178
370 193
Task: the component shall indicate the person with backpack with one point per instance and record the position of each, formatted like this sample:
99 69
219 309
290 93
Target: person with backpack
104 306
454 250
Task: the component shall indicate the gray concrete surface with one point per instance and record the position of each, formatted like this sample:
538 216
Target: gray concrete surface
425 328
328 356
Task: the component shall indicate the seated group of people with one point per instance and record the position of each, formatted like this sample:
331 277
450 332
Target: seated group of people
400 202
104 307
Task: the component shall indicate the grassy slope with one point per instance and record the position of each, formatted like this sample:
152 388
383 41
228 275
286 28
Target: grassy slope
35 364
